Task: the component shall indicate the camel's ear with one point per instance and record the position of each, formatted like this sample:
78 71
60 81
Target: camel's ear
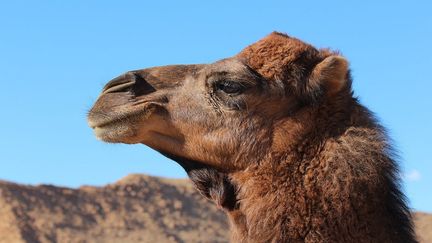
331 74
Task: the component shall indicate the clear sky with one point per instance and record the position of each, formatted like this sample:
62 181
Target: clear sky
55 57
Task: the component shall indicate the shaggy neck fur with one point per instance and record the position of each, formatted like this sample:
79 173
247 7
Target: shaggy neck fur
335 183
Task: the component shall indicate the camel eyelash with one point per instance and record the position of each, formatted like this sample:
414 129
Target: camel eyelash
230 87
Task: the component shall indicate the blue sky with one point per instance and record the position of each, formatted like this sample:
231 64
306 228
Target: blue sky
55 57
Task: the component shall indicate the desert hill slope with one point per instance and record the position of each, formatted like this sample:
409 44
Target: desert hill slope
423 224
137 208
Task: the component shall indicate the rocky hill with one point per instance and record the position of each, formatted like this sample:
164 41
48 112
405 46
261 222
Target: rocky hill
423 223
137 208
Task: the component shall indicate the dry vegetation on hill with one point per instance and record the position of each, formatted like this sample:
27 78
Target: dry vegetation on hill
137 208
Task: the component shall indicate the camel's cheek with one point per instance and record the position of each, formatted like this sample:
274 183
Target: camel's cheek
213 146
212 135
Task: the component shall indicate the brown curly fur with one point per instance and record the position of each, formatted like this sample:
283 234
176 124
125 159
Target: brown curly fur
295 158
335 179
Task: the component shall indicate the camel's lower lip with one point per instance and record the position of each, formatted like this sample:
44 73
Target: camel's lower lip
112 129
113 132
101 131
104 123
96 120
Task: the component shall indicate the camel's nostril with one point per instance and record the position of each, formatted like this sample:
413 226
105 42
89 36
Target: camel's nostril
120 83
126 81
142 87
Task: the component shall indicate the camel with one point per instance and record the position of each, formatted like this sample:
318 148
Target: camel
274 136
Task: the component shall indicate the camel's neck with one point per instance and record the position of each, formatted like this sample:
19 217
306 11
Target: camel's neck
274 202
317 184
345 190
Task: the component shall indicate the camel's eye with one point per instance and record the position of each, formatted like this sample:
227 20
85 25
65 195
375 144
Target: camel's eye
230 87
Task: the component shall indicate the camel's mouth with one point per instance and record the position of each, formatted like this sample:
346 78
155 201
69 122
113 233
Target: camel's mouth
120 127
97 123
113 129
102 120
113 133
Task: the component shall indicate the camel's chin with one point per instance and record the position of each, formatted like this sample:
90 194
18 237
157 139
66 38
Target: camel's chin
115 134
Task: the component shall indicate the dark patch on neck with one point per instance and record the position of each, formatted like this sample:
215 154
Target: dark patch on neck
210 182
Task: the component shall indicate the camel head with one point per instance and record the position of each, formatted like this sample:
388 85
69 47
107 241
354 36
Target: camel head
225 114
272 135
